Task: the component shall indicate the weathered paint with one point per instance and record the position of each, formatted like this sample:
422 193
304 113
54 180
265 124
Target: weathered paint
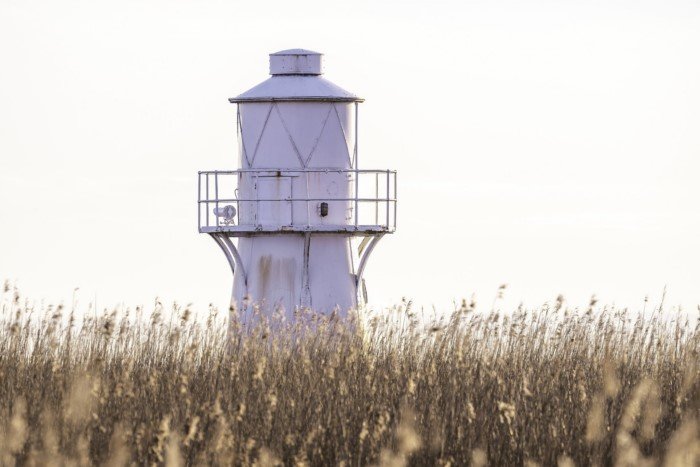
296 120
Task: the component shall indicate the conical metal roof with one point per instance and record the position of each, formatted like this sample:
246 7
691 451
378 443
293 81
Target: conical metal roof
296 76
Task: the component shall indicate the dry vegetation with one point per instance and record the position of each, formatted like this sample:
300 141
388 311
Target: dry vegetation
553 386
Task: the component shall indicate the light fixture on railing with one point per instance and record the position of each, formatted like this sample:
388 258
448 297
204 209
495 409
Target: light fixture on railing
228 212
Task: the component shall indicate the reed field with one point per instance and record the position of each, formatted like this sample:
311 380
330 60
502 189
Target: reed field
165 386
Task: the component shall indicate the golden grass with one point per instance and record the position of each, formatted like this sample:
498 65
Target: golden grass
553 386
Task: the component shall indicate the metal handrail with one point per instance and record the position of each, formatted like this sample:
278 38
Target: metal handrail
305 170
233 200
205 199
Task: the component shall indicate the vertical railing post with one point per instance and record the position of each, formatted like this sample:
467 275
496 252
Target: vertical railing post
395 200
357 173
388 196
216 196
376 198
206 202
199 201
239 178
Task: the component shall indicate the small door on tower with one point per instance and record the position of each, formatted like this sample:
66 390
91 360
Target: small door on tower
275 209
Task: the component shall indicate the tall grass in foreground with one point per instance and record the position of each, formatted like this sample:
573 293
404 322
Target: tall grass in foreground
554 385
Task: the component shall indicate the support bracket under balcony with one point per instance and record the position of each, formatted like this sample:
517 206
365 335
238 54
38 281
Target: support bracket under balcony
363 262
232 256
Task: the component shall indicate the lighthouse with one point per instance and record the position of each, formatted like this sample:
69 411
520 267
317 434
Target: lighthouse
298 219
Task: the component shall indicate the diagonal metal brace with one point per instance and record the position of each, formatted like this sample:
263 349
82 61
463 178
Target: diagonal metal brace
363 260
232 256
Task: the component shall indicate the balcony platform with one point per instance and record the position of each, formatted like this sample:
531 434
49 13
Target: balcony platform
287 201
255 230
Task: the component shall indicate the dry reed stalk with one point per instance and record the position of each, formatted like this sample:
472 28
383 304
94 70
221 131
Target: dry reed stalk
554 386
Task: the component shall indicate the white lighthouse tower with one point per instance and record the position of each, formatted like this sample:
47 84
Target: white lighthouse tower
305 216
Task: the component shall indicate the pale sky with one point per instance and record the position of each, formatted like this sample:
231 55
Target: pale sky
550 145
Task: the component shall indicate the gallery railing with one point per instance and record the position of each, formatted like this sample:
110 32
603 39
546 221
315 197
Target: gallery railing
234 201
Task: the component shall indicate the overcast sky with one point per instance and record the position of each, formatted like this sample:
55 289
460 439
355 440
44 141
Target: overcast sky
550 145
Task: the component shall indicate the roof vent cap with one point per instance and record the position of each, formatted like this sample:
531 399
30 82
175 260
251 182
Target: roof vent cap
296 62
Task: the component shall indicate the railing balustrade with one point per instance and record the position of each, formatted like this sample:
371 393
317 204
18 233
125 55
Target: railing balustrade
246 201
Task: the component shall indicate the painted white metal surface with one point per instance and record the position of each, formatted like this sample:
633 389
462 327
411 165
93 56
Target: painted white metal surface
296 195
296 88
296 76
296 62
